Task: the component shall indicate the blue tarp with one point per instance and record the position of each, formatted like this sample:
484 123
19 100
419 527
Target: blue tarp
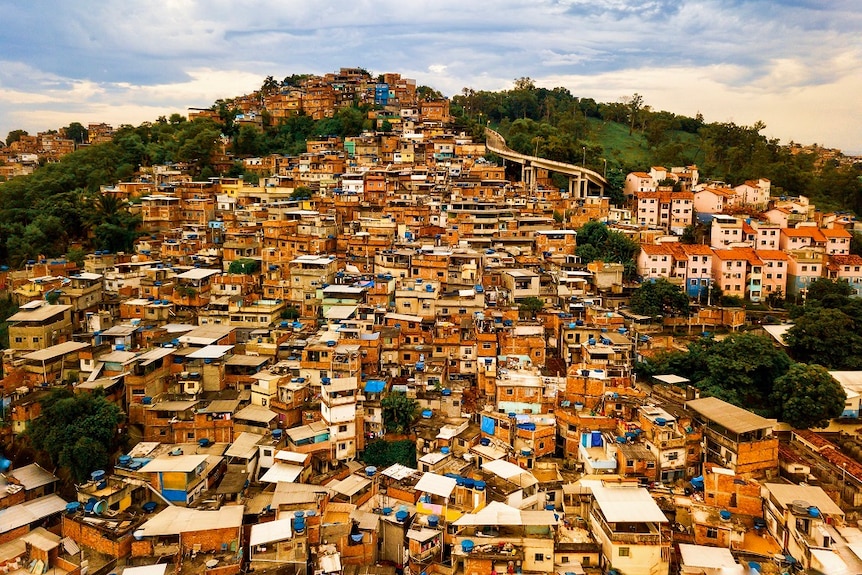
374 386
488 425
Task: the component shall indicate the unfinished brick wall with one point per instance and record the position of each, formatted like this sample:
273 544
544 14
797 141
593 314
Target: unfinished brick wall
732 492
89 536
759 458
209 540
14 534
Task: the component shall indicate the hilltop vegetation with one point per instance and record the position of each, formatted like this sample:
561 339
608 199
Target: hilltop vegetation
59 206
628 135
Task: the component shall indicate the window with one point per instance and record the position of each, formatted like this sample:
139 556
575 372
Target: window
342 446
623 552
510 391
630 462
267 452
539 557
342 428
711 533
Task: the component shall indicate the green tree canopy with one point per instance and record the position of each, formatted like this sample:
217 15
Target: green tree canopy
399 412
659 297
14 136
530 306
77 431
301 193
807 396
740 369
77 132
246 266
382 453
827 336
828 292
597 243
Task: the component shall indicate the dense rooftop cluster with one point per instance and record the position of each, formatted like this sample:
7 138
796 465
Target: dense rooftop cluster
399 288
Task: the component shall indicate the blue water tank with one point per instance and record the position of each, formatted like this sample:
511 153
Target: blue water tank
433 521
467 545
370 471
479 485
444 450
401 516
427 413
125 459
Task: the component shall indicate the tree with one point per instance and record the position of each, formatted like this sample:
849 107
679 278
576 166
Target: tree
807 396
828 336
825 290
382 453
249 141
634 105
77 132
77 431
290 313
269 86
301 193
659 297
531 306
14 136
742 368
245 266
399 411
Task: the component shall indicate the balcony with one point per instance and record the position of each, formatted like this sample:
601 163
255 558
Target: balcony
634 533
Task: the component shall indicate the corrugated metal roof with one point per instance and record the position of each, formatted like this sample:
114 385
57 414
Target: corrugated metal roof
30 511
282 472
170 463
628 505
350 485
175 520
436 484
56 351
244 446
264 533
256 413
732 418
211 352
32 476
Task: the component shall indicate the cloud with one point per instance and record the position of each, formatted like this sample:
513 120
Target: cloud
90 57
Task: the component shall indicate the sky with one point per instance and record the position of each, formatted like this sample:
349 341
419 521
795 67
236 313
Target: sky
796 65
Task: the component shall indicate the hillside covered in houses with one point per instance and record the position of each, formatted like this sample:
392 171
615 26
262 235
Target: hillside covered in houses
345 324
